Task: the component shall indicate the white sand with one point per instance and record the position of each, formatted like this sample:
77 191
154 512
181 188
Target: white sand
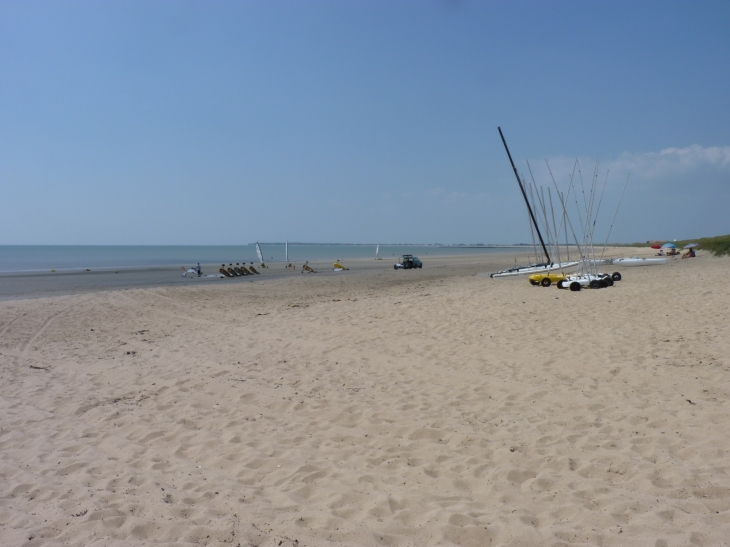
428 407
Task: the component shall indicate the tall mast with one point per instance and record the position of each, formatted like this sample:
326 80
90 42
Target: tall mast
524 195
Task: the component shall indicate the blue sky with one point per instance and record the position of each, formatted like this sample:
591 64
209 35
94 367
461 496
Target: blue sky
228 122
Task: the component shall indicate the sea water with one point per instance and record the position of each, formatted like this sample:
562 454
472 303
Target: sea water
19 258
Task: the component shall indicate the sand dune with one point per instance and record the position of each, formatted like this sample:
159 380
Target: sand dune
428 407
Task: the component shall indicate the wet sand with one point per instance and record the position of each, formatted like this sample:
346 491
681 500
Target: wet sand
371 407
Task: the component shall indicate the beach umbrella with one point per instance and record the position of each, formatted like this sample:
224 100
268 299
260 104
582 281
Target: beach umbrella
669 245
656 246
690 245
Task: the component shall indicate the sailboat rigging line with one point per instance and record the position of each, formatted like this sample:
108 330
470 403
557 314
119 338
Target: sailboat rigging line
557 228
589 214
524 195
583 190
544 214
557 240
532 198
582 224
572 231
614 215
565 224
546 224
601 200
603 190
532 234
587 227
532 228
565 211
590 222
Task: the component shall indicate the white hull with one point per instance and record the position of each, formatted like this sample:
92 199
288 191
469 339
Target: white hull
535 269
636 261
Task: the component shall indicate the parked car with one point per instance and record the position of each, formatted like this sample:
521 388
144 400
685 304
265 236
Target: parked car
408 262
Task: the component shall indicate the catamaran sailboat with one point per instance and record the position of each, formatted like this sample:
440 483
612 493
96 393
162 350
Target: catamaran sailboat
541 267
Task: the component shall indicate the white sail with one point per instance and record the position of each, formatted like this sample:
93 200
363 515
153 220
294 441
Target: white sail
377 251
286 249
258 252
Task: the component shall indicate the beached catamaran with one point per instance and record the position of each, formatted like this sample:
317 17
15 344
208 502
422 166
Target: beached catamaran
540 267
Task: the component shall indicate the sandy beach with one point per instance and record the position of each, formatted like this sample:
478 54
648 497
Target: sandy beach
370 407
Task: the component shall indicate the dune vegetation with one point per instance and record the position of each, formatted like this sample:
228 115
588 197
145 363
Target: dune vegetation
718 245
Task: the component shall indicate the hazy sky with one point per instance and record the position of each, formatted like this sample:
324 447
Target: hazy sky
177 122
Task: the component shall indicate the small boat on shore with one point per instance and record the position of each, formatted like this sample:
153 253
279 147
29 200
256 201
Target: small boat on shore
534 269
637 261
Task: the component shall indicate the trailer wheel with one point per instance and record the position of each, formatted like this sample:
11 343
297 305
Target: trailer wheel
560 284
594 284
575 286
609 281
545 282
616 276
603 283
533 282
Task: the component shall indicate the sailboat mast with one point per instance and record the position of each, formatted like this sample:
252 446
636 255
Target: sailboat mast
567 249
555 228
524 195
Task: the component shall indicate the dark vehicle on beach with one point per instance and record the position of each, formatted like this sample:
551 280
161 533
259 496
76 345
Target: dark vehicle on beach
408 262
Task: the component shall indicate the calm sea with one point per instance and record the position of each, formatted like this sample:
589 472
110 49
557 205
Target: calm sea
16 258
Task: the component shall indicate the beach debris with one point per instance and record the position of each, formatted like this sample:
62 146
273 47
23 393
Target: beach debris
690 402
39 368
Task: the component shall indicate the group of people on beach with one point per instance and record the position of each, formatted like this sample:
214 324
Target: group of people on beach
673 252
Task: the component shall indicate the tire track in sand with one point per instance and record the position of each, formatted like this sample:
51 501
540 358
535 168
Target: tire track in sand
7 327
47 321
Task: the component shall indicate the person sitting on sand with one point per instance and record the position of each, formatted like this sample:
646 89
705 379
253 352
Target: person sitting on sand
660 253
689 254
